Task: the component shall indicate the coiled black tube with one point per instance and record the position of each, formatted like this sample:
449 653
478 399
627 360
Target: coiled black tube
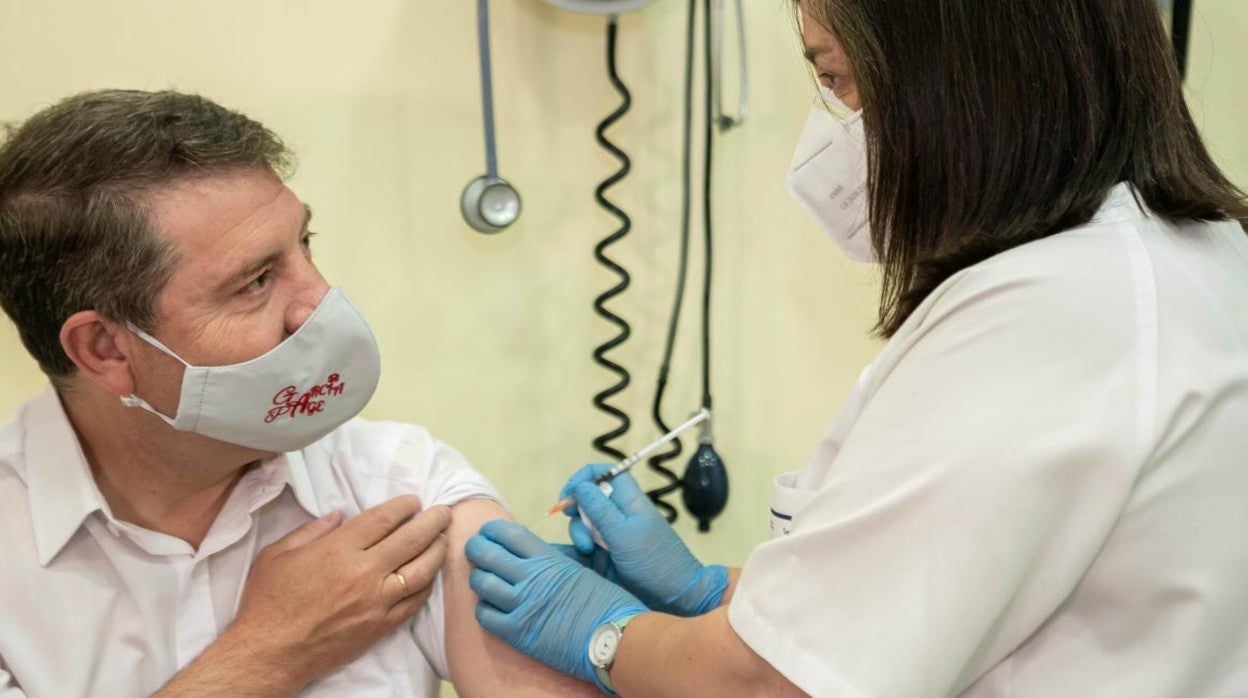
603 442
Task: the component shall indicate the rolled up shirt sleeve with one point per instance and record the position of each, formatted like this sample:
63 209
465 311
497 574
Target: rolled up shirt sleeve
446 478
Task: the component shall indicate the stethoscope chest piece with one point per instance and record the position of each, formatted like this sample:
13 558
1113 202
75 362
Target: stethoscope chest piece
489 204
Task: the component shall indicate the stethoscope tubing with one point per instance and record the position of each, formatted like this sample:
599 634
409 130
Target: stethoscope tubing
487 88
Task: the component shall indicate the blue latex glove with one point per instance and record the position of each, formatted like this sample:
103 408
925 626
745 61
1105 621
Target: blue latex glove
597 560
539 601
648 557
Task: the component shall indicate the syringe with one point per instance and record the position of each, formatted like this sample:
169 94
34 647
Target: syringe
624 465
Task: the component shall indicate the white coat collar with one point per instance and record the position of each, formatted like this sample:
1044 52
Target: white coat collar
1122 203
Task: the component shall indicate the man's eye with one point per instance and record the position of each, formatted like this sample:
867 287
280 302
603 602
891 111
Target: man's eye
259 283
306 242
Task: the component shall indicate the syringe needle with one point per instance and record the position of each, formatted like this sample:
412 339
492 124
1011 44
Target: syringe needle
627 464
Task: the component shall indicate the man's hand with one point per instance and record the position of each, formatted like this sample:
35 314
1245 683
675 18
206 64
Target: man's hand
323 594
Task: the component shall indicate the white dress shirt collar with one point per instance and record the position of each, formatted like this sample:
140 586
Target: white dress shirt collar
63 493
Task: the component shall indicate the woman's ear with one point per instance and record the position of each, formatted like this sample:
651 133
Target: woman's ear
92 343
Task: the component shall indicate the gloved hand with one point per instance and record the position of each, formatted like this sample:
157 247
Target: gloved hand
598 560
649 558
536 599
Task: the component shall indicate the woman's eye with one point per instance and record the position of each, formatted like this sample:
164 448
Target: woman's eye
828 81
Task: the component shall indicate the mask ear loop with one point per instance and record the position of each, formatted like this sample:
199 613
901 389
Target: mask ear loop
155 342
133 400
836 107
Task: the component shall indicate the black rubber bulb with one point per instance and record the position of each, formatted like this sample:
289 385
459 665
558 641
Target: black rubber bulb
705 485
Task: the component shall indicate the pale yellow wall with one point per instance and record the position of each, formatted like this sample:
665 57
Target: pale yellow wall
487 340
1216 82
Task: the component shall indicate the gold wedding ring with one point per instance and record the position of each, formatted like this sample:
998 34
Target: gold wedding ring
402 581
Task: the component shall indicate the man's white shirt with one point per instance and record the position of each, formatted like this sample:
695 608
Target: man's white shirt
90 605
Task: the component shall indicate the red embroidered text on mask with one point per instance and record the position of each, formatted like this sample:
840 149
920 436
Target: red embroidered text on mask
288 401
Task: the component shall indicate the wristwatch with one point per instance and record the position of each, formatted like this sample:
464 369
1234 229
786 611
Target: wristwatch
603 645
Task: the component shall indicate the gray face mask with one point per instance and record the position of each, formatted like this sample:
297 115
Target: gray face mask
828 175
291 396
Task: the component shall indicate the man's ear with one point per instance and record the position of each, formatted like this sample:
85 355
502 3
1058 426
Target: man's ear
96 348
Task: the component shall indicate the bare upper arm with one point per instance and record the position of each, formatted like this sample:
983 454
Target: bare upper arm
481 664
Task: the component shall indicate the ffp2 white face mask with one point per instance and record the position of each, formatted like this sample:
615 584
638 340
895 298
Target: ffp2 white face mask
828 175
289 397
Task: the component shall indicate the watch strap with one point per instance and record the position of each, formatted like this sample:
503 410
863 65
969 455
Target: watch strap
604 673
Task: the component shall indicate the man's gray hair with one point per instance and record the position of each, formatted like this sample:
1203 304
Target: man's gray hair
74 232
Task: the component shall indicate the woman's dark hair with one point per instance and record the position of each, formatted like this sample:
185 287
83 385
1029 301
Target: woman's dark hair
993 123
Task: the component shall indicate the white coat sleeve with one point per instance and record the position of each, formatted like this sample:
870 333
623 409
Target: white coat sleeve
8 689
987 467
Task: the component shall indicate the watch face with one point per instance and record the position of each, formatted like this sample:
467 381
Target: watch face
603 644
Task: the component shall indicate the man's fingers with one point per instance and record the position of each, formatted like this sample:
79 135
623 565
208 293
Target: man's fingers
421 573
408 607
309 532
372 525
410 539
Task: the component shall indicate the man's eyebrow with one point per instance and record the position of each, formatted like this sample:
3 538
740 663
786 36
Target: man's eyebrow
256 266
248 271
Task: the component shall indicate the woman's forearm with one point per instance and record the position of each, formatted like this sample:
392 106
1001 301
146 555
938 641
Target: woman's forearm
663 655
734 573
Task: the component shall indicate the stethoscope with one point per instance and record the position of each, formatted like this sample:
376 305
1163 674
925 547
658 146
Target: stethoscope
489 203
